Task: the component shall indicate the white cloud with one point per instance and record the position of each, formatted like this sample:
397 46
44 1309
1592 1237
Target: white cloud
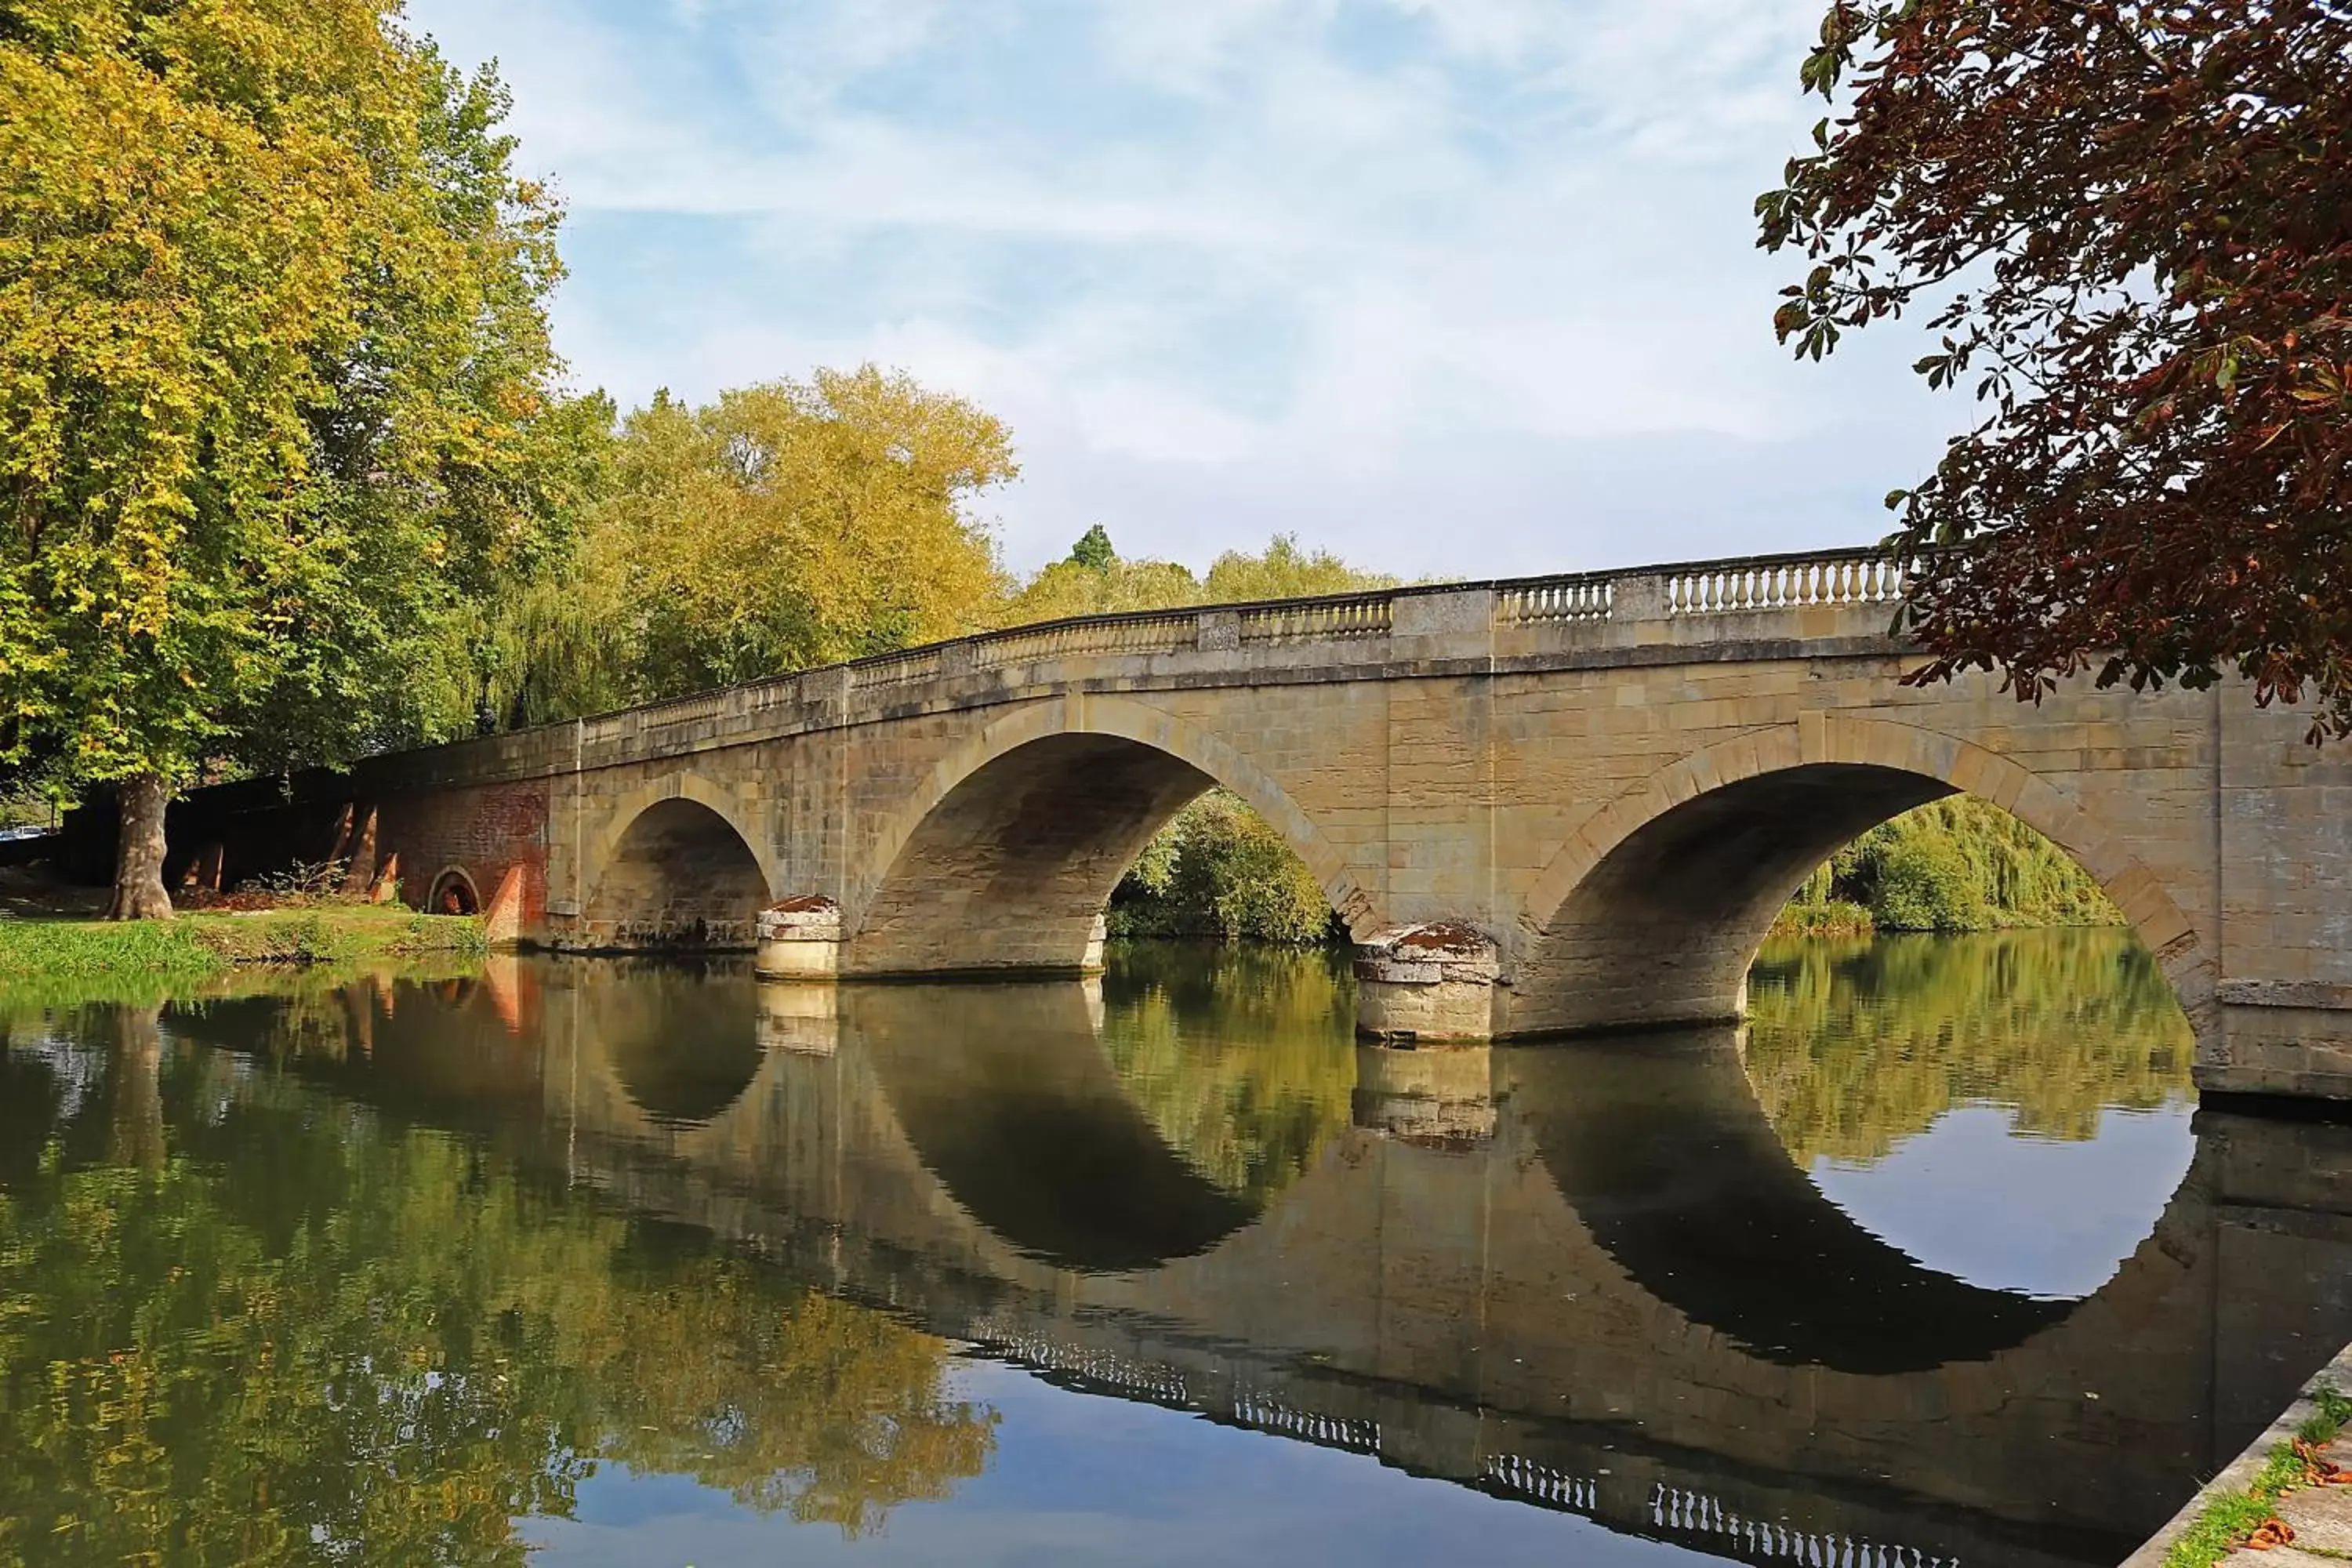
1234 265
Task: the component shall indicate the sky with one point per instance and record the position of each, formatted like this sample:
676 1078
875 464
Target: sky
1453 288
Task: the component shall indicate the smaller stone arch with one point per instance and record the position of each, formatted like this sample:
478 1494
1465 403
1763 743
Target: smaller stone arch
979 868
1840 776
623 815
673 868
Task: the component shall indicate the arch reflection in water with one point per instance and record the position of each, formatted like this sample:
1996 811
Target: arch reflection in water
1659 1146
1437 1300
685 1040
1007 1096
319 1336
2010 1107
1004 1094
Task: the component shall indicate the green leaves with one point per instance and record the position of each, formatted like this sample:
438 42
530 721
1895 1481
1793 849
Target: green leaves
271 348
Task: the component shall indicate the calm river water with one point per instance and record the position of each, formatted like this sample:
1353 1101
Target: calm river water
1937 1260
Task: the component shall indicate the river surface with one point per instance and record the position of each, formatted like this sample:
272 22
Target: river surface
1935 1261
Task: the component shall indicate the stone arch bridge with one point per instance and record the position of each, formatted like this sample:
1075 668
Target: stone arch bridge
1547 806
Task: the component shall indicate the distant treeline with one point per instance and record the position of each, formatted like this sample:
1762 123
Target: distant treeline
1961 864
1219 870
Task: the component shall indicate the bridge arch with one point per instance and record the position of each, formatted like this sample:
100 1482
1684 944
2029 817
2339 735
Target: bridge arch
1003 856
1652 911
672 866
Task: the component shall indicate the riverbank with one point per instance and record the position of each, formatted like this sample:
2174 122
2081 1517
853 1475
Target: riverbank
38 954
2277 1491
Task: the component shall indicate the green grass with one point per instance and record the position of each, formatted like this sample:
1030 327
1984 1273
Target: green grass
2227 1522
92 958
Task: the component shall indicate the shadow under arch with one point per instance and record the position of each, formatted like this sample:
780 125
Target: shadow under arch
1660 1146
1007 1098
674 873
1003 856
1653 910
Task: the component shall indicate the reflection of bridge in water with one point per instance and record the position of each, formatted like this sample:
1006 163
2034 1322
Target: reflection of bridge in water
1603 1288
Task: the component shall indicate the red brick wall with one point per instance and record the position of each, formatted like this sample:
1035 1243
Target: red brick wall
481 830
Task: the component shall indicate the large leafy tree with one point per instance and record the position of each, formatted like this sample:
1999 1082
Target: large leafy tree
2132 225
793 523
274 387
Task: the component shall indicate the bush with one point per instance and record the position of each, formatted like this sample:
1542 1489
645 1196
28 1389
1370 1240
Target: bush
1927 883
1219 870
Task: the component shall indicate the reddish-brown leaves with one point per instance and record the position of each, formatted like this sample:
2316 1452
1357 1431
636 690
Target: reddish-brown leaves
2132 225
2269 1534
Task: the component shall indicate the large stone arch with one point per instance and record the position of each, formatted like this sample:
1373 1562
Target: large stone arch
673 865
1698 857
1109 772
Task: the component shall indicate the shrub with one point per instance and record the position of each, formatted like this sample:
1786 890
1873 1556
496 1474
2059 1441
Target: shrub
1220 870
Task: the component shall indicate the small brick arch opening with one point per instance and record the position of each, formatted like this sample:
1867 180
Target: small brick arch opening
1010 871
454 893
679 878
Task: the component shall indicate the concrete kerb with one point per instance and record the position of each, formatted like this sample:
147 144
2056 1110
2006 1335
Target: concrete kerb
2239 1473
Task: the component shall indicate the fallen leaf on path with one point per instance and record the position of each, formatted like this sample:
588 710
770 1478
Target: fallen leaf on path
2269 1534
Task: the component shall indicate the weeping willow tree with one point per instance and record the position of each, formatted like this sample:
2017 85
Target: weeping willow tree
786 524
1960 864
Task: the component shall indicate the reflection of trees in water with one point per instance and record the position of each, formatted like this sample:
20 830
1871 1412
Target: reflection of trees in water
1242 1057
1853 1045
354 1341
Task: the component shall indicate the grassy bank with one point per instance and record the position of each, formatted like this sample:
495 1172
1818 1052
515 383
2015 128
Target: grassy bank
78 954
2228 1523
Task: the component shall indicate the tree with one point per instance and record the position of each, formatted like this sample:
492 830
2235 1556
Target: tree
1220 869
795 523
1285 571
1093 550
1078 585
272 355
1070 587
2133 224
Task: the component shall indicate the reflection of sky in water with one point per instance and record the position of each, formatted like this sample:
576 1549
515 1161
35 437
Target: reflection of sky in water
1078 1479
2012 1211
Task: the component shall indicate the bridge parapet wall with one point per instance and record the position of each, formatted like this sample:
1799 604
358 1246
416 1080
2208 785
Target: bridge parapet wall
1823 602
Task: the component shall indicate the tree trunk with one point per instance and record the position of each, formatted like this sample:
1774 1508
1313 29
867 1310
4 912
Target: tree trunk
139 892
